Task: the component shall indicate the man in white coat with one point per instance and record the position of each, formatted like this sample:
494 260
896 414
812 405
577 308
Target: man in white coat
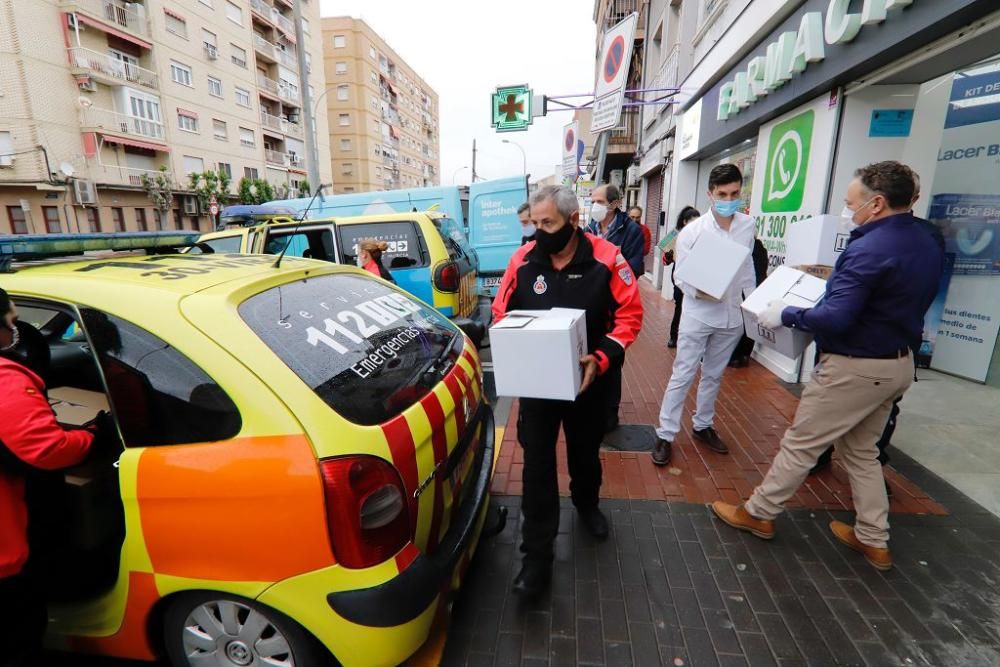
710 328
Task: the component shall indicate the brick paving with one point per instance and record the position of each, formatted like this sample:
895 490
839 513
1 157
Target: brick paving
674 586
753 410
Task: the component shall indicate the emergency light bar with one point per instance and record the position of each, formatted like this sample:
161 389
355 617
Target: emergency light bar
42 246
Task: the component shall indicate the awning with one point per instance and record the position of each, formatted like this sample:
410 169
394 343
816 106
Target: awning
122 141
170 12
120 34
393 132
185 112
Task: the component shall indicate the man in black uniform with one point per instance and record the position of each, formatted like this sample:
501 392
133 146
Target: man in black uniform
566 267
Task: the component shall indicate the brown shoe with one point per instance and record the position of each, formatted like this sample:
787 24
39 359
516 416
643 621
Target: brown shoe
710 438
878 558
738 517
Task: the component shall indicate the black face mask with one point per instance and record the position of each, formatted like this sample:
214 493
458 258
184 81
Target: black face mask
553 243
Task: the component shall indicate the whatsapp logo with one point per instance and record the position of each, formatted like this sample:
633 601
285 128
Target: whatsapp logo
787 164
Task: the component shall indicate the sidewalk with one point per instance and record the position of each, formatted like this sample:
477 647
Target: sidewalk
674 586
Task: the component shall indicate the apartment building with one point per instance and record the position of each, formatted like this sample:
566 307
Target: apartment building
94 94
384 128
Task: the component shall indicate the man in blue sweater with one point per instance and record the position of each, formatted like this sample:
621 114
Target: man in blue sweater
867 327
609 222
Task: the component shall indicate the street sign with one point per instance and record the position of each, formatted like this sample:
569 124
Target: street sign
569 158
609 94
512 108
213 208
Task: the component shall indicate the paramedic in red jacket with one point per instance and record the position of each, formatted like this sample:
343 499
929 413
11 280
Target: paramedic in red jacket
29 437
565 267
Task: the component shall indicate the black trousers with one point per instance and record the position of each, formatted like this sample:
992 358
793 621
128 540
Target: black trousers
614 394
23 617
538 425
675 324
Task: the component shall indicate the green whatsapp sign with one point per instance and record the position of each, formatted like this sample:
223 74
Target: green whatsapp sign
787 164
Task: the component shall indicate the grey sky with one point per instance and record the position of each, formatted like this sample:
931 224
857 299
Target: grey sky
465 48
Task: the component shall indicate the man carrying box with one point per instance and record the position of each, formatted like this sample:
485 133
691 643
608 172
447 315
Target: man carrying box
565 267
866 327
710 327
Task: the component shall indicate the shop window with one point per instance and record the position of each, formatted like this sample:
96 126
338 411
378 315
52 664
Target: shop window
140 220
18 220
93 220
118 219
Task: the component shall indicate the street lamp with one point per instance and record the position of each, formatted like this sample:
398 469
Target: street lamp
524 156
455 175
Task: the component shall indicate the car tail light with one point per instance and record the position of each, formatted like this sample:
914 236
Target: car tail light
447 277
366 510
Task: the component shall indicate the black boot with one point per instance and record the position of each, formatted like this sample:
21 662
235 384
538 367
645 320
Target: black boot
594 521
533 578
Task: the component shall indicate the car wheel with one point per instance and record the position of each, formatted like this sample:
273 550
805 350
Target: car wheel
219 630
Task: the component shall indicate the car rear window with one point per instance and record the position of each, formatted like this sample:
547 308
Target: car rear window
368 350
316 243
224 245
404 251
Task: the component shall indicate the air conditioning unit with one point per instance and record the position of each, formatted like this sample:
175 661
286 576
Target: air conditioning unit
84 191
6 161
211 51
87 85
191 205
633 175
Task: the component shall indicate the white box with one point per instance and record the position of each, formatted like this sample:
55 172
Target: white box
793 287
712 264
817 240
536 353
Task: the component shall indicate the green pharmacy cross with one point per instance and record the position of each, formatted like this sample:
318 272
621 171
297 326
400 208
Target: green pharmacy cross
512 108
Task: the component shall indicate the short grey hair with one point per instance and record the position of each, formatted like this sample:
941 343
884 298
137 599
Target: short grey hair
564 199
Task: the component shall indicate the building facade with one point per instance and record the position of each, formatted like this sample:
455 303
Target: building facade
384 128
95 94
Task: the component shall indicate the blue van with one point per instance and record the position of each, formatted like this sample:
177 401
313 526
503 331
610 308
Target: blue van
486 212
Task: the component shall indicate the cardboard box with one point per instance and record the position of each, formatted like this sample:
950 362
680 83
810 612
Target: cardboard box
712 264
818 270
75 407
536 353
816 241
795 288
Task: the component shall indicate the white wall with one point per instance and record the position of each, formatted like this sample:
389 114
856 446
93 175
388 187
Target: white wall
857 149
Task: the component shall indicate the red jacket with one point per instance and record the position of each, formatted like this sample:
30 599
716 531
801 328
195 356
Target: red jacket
647 239
29 430
597 280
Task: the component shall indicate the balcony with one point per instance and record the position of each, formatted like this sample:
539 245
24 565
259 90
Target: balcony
267 85
665 78
265 48
289 59
285 25
271 122
262 9
116 14
293 129
623 137
276 157
289 94
110 70
616 10
296 161
105 120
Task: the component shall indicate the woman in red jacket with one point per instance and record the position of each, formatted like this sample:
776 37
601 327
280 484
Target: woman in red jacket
29 438
370 258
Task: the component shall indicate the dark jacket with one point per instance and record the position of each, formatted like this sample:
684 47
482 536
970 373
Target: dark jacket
879 291
624 233
596 280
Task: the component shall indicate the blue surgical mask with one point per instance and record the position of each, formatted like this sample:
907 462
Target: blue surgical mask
727 208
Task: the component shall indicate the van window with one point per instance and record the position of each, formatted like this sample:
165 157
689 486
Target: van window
314 243
404 251
225 245
368 350
160 396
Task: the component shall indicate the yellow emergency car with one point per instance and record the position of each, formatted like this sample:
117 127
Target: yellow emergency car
304 463
428 254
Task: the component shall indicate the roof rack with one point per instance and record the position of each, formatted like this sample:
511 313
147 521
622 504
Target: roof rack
24 248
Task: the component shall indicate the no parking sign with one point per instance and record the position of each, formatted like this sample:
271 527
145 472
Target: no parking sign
609 94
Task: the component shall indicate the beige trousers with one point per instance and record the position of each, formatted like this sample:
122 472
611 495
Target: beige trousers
847 402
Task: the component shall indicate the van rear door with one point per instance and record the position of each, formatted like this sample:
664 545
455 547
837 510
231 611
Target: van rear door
494 229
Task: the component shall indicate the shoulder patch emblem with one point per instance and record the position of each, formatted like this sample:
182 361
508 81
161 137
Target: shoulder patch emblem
625 273
540 285
620 259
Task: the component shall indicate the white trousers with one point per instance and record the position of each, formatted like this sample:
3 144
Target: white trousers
709 347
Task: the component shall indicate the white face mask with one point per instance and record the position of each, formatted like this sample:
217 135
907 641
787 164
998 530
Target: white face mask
16 333
849 213
598 212
359 260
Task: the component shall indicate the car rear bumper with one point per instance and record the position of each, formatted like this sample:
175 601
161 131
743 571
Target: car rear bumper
408 595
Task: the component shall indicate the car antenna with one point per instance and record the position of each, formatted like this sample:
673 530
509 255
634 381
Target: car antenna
302 217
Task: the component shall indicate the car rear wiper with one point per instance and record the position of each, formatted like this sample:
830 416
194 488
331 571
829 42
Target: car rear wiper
439 365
